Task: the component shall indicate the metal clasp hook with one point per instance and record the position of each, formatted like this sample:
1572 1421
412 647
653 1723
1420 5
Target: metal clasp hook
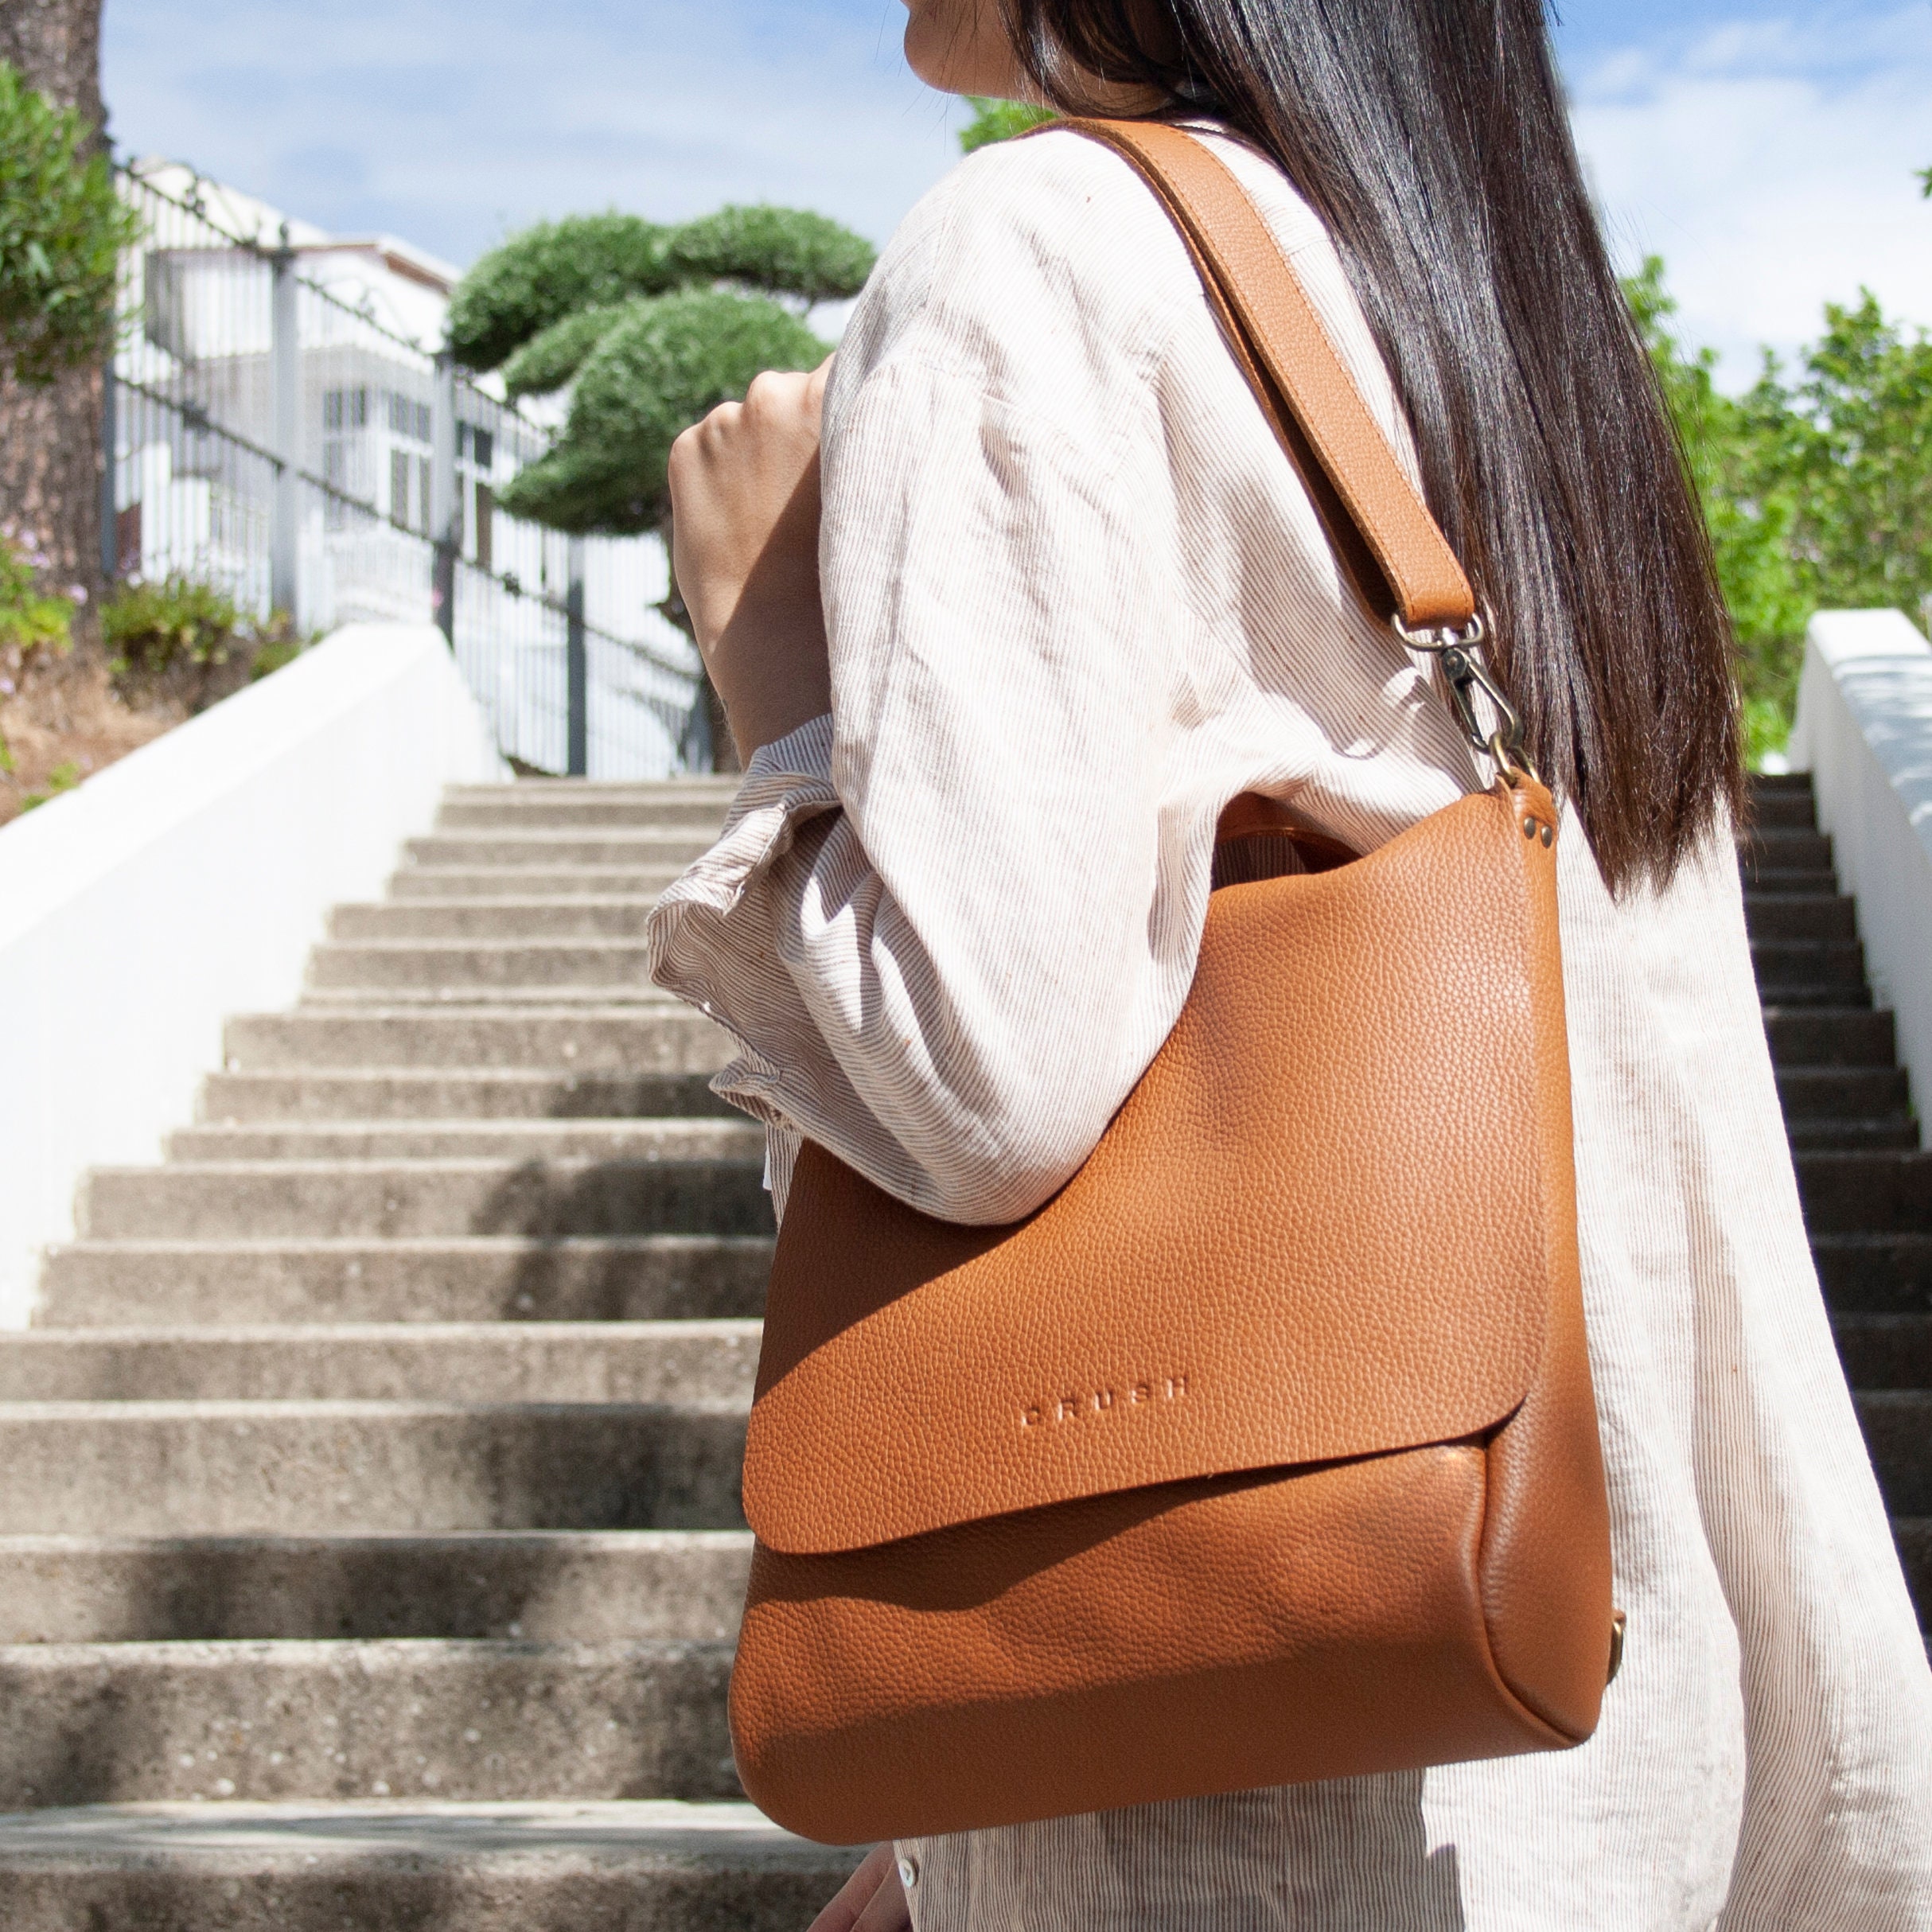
1465 673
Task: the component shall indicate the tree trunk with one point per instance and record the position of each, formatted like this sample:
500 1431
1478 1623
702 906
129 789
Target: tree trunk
50 438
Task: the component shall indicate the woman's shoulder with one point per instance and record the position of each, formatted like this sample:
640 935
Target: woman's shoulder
1039 256
1026 242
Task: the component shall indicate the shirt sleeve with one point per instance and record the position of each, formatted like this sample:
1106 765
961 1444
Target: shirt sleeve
933 922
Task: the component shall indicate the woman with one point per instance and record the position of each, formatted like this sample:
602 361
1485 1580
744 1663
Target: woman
1069 599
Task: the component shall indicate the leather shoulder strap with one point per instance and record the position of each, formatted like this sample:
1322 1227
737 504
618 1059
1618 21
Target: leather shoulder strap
1380 527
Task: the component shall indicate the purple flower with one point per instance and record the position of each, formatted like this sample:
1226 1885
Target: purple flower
77 592
6 686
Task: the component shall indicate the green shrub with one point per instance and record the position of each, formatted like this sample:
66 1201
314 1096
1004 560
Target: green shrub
155 627
31 619
62 229
169 630
280 644
651 376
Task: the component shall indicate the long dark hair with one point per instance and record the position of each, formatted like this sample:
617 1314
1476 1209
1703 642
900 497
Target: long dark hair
1430 135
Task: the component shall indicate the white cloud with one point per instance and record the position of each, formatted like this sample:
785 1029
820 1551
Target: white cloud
1771 164
451 123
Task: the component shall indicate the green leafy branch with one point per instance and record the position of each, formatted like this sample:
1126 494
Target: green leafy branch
62 229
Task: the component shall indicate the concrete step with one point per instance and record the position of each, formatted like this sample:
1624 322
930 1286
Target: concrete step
715 788
1795 810
1814 1133
93 1284
646 1867
471 811
365 1468
109 1724
501 919
474 1139
390 1200
1782 916
1771 881
1867 1193
1842 1094
417 964
542 1586
1833 963
526 882
1791 996
495 1094
529 851
627 1040
721 785
1877 1274
421 1362
1786 848
1898 1425
1886 1351
1843 1037
634 995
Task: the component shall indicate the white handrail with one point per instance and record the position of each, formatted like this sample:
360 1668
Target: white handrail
1863 731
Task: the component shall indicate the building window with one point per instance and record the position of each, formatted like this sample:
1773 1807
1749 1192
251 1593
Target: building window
476 446
346 409
422 498
485 518
408 418
399 467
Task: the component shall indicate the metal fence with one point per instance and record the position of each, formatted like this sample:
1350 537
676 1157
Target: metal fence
270 432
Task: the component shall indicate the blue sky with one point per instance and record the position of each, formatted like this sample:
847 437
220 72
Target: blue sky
1766 150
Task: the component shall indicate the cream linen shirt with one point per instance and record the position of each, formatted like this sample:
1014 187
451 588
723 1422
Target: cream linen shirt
1077 600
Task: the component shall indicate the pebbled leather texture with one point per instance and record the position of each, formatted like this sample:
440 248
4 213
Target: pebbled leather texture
1277 1254
1266 1451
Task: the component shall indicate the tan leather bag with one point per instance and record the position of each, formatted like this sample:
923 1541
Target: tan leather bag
1266 1450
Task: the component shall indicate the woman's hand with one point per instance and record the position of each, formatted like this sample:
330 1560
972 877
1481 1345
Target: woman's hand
873 1899
745 548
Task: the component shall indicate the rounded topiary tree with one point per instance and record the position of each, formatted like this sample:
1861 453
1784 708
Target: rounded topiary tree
650 327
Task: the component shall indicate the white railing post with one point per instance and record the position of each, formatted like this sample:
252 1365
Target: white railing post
284 359
445 511
576 666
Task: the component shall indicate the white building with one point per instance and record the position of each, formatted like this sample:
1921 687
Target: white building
197 438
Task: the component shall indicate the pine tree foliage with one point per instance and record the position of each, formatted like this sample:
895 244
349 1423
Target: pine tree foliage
654 326
776 251
665 365
550 272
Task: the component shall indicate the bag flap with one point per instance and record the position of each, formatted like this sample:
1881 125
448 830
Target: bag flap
1317 1229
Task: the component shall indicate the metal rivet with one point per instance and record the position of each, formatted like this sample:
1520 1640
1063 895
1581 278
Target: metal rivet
1549 837
1530 828
909 1873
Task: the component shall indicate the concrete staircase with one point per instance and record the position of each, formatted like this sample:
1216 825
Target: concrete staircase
370 1547
1866 1182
